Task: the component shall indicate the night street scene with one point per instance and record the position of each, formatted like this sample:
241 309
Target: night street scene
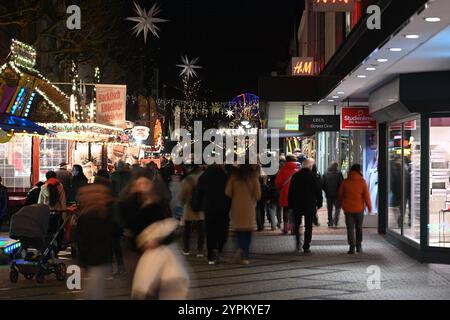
250 151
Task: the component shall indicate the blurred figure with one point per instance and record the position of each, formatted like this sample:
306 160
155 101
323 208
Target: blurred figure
354 197
120 177
261 205
305 196
78 180
3 202
103 178
64 176
52 194
243 189
143 202
136 169
33 194
319 184
94 233
331 182
271 198
160 273
283 182
210 193
192 216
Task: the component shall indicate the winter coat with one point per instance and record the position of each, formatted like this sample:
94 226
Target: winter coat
120 180
244 195
211 194
64 177
161 272
94 235
185 197
354 194
305 194
3 202
331 181
44 196
283 181
77 182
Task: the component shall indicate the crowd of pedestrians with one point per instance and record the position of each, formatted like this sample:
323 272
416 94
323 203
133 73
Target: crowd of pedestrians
132 209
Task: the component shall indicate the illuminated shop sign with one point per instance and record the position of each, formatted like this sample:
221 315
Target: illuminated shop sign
357 119
319 123
302 66
333 5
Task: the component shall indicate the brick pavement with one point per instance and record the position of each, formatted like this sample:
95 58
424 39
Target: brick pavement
277 272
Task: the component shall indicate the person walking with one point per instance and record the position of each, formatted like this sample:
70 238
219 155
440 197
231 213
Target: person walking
191 216
331 182
244 190
283 181
93 235
120 177
210 194
304 198
353 198
78 180
319 184
64 176
3 203
270 195
52 194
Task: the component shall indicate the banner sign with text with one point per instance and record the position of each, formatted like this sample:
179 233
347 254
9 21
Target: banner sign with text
318 123
333 5
111 104
357 119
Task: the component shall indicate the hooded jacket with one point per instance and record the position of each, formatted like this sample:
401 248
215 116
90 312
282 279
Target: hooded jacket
283 181
354 194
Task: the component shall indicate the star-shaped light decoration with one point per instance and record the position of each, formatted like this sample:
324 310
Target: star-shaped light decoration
188 67
146 21
229 113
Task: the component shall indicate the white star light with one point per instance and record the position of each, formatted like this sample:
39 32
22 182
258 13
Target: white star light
188 67
146 21
230 113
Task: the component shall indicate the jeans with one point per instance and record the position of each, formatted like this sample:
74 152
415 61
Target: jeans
354 222
333 202
244 239
188 228
309 218
216 235
272 210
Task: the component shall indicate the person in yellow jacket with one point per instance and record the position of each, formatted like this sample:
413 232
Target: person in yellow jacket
354 197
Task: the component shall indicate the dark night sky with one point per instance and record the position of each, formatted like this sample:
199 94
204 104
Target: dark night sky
237 40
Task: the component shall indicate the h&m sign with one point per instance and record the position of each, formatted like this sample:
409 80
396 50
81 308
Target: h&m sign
303 66
333 5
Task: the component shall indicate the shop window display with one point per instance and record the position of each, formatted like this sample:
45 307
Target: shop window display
52 152
439 203
15 162
404 178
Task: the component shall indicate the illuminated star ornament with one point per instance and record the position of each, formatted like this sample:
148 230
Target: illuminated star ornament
146 21
188 67
229 113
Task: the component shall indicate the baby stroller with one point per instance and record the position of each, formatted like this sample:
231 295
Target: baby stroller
30 225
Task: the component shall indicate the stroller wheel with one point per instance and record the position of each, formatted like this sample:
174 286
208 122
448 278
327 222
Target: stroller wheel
60 271
29 276
14 276
40 277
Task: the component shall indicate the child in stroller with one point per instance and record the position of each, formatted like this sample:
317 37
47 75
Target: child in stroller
30 225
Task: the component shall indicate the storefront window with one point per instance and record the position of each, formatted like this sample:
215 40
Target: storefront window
52 152
439 204
15 162
404 178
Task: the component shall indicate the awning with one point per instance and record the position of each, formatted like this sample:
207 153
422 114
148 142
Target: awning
20 125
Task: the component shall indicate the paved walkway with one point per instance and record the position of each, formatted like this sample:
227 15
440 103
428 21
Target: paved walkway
277 272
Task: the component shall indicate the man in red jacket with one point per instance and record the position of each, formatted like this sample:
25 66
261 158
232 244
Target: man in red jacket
283 182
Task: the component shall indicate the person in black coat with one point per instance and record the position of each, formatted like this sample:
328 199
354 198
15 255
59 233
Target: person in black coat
331 181
210 195
304 198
